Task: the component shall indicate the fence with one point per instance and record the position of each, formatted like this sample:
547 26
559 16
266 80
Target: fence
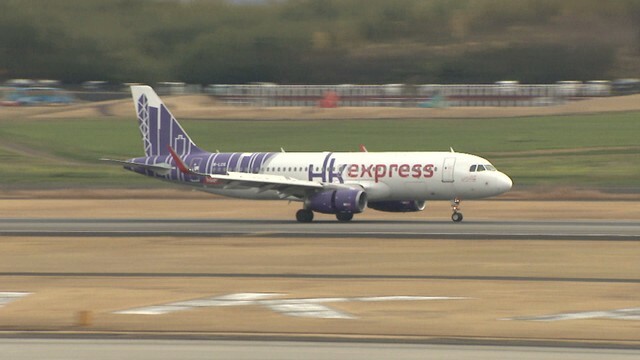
401 95
502 94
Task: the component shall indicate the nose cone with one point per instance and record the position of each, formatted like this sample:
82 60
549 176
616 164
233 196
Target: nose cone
504 183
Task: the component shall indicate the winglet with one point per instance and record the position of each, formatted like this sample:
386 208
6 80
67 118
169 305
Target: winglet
363 148
181 165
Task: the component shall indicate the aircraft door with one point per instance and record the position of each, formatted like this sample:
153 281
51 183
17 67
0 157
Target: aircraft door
447 169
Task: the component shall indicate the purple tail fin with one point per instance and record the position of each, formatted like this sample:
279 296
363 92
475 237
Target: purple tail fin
158 127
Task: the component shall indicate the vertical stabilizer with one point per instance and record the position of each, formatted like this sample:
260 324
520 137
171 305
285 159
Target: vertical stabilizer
158 127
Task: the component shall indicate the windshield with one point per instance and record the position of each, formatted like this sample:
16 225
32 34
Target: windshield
482 167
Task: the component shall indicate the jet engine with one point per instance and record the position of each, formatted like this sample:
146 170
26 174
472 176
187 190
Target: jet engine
398 206
338 201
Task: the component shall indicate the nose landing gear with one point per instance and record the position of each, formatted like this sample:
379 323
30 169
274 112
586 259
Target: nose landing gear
455 207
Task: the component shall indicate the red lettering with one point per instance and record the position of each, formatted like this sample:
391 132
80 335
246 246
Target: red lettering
403 170
416 171
366 170
211 181
353 170
428 170
391 167
381 171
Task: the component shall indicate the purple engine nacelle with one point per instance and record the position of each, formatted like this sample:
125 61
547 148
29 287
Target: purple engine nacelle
398 206
338 201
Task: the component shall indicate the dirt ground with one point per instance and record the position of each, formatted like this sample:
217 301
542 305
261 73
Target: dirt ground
204 107
485 310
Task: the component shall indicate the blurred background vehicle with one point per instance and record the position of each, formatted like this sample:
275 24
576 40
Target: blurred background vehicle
29 96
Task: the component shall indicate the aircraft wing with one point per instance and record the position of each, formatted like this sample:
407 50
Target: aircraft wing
285 186
161 169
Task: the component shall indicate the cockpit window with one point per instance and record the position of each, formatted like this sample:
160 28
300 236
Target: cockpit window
486 167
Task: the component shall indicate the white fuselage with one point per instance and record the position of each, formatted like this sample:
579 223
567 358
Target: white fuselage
384 176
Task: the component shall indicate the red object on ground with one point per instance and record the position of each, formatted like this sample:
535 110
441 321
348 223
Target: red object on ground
329 100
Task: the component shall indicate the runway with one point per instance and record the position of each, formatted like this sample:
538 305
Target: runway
98 349
471 230
507 273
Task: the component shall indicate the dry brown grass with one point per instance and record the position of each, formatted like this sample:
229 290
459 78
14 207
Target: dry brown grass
56 300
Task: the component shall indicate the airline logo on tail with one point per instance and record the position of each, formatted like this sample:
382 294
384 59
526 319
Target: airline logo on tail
158 127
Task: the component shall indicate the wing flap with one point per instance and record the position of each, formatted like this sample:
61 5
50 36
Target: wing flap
259 180
285 186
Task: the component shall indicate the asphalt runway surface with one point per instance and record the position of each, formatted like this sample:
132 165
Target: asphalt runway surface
472 230
620 233
97 349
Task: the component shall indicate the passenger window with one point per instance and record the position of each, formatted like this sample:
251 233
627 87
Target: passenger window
472 168
481 168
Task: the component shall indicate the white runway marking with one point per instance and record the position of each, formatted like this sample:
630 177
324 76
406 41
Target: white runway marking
311 308
620 314
7 297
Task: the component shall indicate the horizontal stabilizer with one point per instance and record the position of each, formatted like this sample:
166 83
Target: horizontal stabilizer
160 169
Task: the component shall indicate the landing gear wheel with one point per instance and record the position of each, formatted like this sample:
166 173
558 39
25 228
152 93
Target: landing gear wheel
455 207
304 216
344 216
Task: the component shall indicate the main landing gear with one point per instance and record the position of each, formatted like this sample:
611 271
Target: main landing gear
344 217
306 216
455 207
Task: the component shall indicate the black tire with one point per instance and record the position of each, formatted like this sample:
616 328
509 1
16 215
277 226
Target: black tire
343 217
304 216
456 217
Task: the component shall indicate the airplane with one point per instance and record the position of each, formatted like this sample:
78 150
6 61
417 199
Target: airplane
338 183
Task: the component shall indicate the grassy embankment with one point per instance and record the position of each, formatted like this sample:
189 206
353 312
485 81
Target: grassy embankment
599 151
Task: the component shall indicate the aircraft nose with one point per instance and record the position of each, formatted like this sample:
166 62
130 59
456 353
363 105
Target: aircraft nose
504 183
